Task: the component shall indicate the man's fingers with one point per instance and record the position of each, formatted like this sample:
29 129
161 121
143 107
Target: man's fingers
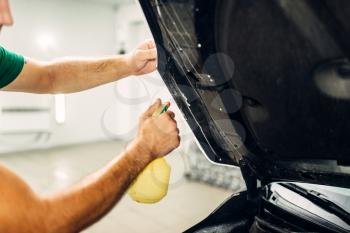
150 43
149 54
171 114
149 112
150 66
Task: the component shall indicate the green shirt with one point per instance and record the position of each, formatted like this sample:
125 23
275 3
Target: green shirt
11 65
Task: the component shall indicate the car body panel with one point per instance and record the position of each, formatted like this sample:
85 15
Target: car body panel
262 84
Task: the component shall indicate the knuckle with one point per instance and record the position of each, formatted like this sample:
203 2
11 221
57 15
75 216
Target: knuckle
168 116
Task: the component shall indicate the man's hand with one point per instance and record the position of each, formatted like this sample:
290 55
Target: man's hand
143 59
159 135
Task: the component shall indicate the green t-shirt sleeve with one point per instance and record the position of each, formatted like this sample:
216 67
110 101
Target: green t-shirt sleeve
11 65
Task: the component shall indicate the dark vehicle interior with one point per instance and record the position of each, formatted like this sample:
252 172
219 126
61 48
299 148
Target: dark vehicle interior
264 85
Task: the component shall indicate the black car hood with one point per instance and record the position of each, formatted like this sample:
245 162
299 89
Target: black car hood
262 84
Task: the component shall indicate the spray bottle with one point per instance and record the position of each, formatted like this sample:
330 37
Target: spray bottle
152 183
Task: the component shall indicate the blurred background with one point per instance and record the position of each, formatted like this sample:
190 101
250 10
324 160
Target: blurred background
53 141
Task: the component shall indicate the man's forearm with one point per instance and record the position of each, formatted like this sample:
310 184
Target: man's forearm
74 75
22 210
77 75
92 198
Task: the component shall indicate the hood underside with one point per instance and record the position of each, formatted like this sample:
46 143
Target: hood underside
264 84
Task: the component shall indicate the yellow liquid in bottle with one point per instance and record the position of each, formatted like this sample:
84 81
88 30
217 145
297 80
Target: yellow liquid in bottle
152 183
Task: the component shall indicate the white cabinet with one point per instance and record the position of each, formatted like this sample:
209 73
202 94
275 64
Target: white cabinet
25 120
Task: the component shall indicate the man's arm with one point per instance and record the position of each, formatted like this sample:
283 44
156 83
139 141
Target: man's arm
21 210
74 75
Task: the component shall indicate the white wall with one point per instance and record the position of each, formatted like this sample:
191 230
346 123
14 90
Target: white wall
77 29
85 29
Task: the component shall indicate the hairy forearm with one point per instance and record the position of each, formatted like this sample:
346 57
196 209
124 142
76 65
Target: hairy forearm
89 200
74 75
69 211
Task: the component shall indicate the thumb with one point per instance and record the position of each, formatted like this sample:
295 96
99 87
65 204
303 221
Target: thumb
149 112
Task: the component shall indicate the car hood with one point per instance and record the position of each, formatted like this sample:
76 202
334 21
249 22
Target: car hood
264 85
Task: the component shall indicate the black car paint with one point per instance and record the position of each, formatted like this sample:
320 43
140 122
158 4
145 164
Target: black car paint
228 137
249 77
